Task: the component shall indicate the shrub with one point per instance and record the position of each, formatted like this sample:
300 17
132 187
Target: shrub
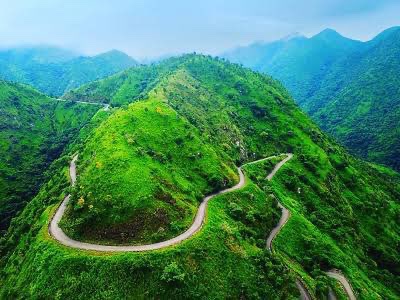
173 274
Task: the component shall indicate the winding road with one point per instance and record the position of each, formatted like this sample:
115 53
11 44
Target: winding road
336 274
106 106
282 221
304 294
57 233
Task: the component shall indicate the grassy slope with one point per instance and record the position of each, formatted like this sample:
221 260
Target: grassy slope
246 116
225 258
123 88
332 215
144 173
34 130
343 223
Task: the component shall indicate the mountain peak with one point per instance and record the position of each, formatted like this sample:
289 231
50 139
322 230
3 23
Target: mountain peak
328 33
117 56
113 52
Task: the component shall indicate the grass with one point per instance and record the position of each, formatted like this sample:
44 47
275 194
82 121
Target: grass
144 172
227 257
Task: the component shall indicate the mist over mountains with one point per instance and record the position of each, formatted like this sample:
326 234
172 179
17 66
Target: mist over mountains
54 70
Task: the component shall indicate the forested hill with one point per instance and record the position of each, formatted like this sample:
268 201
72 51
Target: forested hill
350 88
34 132
297 61
55 71
359 100
175 133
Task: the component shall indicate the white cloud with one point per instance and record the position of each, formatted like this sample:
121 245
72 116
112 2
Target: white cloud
151 28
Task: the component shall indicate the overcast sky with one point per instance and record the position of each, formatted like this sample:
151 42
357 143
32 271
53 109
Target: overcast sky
149 28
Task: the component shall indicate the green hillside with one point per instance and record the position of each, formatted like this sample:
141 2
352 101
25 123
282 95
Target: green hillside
298 62
363 112
155 196
348 87
181 127
34 131
55 71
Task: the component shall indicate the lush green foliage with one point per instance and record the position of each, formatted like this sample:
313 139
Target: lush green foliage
34 131
55 71
144 172
341 222
226 258
338 203
298 62
351 89
362 105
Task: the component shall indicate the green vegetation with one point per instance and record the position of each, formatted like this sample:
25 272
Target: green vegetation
350 88
363 106
123 88
345 213
299 62
34 131
227 257
145 172
357 223
55 71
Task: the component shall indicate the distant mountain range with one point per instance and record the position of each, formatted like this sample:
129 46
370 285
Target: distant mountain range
350 88
55 71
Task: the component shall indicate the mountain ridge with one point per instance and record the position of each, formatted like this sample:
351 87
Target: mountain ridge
335 74
55 70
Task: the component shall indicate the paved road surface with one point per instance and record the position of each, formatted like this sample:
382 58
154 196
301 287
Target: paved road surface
304 294
282 221
105 105
343 281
